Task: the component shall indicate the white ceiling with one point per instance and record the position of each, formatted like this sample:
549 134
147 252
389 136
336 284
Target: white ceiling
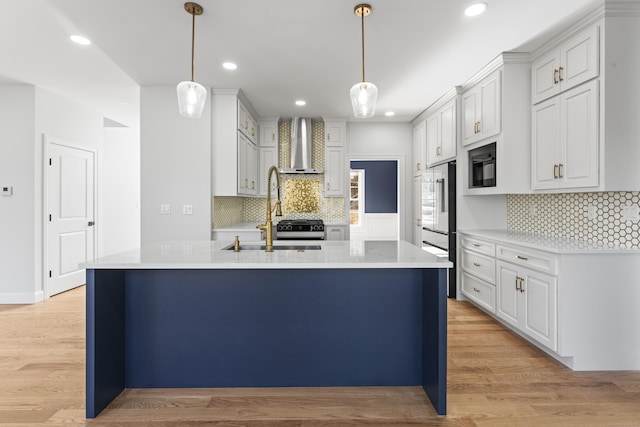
415 50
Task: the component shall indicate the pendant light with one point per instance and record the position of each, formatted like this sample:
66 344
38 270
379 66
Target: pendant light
363 94
191 95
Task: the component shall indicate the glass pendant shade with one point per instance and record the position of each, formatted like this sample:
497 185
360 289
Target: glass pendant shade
191 99
364 96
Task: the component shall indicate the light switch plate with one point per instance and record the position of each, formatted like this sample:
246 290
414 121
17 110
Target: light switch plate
187 209
7 190
165 209
591 212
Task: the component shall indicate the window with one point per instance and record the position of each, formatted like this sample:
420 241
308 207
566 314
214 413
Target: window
356 196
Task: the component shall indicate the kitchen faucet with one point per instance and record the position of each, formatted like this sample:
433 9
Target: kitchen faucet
268 226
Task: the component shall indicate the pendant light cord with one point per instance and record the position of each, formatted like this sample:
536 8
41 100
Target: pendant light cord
193 42
362 15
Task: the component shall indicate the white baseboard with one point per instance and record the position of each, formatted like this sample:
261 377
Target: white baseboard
21 298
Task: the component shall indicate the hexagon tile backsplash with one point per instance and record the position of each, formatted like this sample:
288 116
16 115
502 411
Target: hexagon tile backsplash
566 215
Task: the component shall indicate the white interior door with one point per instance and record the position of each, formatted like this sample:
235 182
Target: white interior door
70 216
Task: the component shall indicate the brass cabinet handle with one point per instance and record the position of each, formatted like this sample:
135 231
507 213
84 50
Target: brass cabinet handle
522 257
328 137
417 166
476 290
253 185
476 264
478 127
253 131
555 171
273 136
328 186
519 283
560 171
246 183
560 73
555 76
476 245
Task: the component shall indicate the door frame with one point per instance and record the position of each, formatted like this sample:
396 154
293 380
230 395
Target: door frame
400 159
49 140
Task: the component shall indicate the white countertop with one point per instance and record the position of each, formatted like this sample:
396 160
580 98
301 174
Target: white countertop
547 243
213 255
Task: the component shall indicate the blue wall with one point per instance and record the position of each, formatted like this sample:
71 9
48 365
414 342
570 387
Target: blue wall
381 185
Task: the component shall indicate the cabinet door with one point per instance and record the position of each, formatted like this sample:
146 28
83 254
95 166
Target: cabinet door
545 141
243 120
334 174
334 134
578 164
252 129
269 134
433 139
251 169
336 232
419 147
268 158
417 211
490 106
544 77
579 59
540 308
448 131
469 116
508 307
243 179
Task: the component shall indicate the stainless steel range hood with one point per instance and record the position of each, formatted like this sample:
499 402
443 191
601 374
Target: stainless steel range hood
301 148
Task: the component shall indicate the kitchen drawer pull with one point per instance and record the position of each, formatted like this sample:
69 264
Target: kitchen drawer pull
555 171
555 76
476 290
522 257
560 166
476 245
560 73
476 264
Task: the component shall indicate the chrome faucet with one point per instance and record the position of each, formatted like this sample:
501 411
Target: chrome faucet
268 226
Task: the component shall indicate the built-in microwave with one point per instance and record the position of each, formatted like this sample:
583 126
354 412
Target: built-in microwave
482 166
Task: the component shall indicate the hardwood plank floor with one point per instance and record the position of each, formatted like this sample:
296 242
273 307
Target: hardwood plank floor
495 379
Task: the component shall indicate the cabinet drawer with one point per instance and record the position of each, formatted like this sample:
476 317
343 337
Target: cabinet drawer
528 258
478 245
482 293
479 265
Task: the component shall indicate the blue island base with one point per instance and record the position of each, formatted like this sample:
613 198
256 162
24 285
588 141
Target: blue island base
265 328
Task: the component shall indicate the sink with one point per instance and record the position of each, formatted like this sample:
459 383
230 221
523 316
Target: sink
299 248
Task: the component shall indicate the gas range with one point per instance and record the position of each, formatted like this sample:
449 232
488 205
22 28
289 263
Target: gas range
300 229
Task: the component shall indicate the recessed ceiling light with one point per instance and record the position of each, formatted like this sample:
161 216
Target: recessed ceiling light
80 40
229 65
300 103
389 114
475 9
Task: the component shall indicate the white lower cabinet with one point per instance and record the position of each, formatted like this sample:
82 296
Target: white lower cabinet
479 291
526 299
477 272
336 232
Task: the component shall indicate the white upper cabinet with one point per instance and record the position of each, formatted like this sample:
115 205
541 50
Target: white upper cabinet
335 141
441 134
247 123
334 134
482 110
568 65
268 133
565 140
420 147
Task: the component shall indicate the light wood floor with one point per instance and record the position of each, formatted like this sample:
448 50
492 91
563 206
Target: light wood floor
495 379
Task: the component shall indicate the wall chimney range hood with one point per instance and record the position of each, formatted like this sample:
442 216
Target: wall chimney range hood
301 148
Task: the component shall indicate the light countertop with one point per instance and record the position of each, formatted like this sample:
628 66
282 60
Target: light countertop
213 255
548 243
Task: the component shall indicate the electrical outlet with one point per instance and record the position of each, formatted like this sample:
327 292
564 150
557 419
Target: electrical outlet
630 213
591 212
165 209
187 209
7 191
533 210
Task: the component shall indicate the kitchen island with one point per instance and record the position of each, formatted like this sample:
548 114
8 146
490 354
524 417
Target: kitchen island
335 313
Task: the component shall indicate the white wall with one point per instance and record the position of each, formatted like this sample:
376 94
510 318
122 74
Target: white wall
387 141
119 199
27 113
17 234
175 168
